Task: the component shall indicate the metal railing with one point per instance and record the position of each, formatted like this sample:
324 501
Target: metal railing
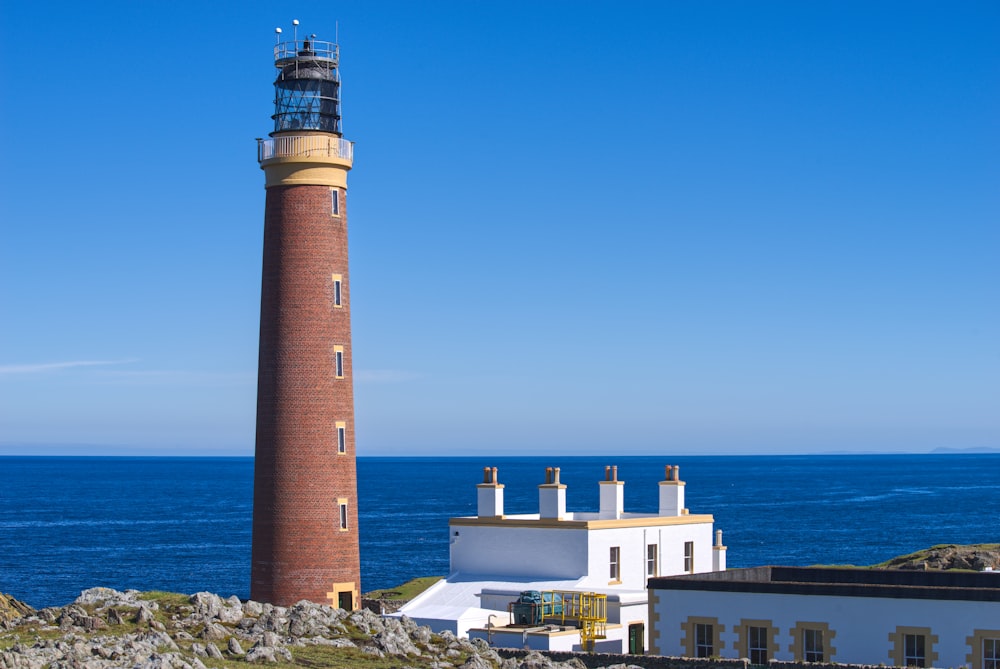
309 48
304 146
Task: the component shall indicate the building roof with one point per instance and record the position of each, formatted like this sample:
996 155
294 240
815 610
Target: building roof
841 582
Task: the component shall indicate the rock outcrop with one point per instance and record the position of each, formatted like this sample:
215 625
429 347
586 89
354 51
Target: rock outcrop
11 609
105 629
975 557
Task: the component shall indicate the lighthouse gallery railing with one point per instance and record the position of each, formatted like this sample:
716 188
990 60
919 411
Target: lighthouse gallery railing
290 146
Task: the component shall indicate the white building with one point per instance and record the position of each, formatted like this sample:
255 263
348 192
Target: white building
830 615
609 553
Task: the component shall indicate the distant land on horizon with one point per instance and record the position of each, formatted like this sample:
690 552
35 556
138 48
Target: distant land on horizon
91 450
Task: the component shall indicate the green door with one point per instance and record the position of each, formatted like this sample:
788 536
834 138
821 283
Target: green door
636 637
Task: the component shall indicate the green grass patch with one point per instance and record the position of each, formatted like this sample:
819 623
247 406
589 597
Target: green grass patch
407 591
166 599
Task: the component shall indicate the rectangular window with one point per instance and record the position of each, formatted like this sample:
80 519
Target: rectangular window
757 644
338 297
615 563
914 653
703 640
991 653
335 202
339 353
689 557
343 515
651 560
341 437
812 645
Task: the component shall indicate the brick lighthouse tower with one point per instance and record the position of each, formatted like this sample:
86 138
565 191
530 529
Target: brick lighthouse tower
305 511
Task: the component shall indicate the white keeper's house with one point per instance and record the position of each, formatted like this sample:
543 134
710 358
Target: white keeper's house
559 580
830 615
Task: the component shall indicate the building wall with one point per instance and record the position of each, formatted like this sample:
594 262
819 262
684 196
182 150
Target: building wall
519 552
633 543
552 552
861 626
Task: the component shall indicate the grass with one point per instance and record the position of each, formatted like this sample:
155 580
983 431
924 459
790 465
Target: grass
407 591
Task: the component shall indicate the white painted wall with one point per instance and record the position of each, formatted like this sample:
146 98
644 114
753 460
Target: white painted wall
633 542
862 624
519 552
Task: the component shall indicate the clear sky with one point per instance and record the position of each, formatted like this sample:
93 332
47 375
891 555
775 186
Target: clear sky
576 227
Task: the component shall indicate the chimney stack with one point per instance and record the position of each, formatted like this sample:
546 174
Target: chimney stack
552 496
672 493
490 495
612 494
718 553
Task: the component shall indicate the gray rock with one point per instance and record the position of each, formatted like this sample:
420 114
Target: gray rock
213 651
252 608
144 615
234 647
214 632
199 649
366 621
268 654
206 604
371 650
476 662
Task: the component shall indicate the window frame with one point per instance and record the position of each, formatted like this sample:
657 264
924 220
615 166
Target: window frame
338 291
335 202
704 639
615 563
341 437
689 557
342 504
652 560
338 354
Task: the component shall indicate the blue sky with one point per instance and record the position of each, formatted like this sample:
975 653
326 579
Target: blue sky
576 227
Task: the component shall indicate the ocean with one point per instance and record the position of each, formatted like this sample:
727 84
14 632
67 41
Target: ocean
183 524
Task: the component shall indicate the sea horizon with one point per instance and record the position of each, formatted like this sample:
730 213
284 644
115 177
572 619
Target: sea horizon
183 523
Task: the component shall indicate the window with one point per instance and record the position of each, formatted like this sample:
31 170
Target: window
812 642
914 651
651 560
339 354
991 653
341 437
338 290
616 571
756 640
913 647
757 644
704 640
335 202
703 637
812 645
689 557
343 514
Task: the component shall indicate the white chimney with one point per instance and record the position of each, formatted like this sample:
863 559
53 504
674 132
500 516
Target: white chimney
490 495
552 495
718 553
672 493
612 494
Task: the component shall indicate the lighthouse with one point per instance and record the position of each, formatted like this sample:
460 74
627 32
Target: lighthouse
305 510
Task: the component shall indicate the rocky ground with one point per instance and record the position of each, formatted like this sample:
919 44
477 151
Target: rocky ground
105 628
976 557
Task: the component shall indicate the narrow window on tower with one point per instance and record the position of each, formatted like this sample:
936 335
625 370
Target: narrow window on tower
615 563
335 202
343 514
338 288
338 352
689 557
341 437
